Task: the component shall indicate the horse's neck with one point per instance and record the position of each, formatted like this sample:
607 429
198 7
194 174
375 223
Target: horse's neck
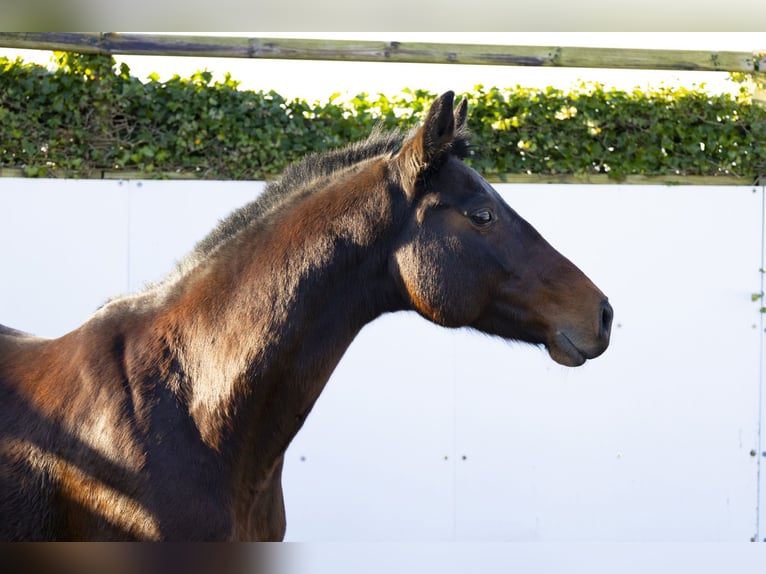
263 325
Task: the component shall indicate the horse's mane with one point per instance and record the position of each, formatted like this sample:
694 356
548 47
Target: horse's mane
298 179
302 178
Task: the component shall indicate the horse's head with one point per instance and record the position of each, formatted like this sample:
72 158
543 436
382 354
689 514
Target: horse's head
466 258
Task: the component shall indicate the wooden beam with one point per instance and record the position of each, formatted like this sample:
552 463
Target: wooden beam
382 51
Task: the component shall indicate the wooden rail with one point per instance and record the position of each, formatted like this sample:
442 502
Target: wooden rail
385 51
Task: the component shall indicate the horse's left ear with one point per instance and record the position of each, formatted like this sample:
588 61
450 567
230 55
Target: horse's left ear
434 138
438 130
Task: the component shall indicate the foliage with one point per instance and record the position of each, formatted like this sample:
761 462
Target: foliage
88 115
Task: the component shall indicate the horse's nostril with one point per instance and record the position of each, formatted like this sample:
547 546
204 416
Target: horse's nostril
607 313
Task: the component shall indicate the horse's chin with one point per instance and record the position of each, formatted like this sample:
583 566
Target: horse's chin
564 351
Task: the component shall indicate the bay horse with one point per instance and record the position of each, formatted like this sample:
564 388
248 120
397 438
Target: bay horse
167 414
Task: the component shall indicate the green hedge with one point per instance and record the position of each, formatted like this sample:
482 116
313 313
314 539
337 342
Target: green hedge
89 115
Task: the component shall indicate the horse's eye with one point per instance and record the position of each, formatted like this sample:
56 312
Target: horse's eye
482 218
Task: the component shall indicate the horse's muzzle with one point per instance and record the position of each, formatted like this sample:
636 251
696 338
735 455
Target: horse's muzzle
572 346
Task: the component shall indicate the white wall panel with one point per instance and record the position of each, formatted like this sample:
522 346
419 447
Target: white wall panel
429 434
651 441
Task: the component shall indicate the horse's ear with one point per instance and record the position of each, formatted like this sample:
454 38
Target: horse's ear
438 130
434 138
461 115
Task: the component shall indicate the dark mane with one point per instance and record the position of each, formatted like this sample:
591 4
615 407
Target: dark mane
302 178
308 175
299 179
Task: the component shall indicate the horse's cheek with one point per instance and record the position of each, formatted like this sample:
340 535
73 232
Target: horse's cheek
418 282
443 294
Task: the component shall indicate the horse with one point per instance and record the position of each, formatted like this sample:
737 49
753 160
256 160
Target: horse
166 415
